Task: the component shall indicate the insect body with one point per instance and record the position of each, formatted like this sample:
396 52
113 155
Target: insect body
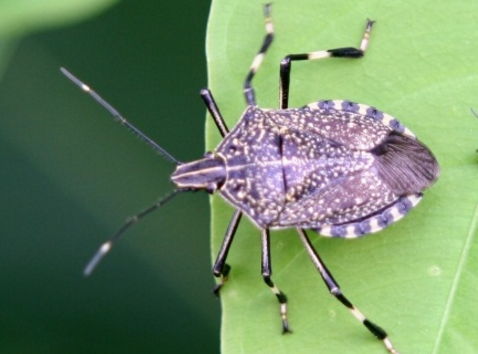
326 166
340 168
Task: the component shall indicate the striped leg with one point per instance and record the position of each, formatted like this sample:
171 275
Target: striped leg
221 269
286 63
266 275
334 289
256 63
213 109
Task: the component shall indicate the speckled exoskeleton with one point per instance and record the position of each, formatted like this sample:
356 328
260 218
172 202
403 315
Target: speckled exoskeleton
339 168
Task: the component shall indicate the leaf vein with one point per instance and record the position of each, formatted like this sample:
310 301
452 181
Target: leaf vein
456 280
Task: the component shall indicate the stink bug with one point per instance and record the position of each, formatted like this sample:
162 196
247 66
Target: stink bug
339 168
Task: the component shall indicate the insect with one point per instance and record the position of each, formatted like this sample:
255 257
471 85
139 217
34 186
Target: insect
339 168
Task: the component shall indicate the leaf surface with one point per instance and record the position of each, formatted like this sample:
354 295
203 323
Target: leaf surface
417 278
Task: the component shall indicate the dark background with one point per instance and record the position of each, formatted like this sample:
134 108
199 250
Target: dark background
70 176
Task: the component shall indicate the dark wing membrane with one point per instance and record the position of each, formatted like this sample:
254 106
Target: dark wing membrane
405 165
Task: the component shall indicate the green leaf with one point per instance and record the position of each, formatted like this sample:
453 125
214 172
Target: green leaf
416 279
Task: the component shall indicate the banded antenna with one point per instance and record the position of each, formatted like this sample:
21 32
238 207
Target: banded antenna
120 118
106 247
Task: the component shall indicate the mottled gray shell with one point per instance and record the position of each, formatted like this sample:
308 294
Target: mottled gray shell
340 168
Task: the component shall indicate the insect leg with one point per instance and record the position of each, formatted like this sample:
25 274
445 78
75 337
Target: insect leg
256 63
347 52
221 269
213 109
266 275
334 289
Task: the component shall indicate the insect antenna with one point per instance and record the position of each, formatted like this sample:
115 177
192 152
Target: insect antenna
106 247
120 118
